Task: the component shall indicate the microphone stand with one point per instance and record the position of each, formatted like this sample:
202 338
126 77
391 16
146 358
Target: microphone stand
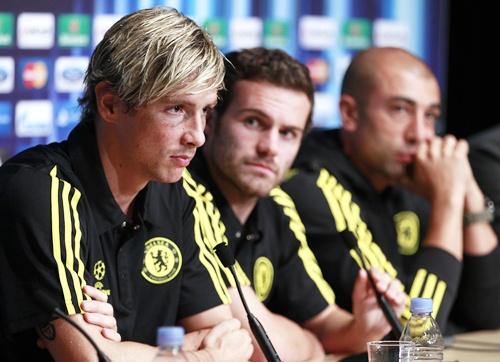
257 328
49 304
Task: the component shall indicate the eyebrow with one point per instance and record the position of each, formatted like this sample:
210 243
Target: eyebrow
436 106
179 100
266 116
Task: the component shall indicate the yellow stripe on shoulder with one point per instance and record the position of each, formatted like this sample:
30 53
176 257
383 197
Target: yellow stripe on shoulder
208 232
66 242
306 255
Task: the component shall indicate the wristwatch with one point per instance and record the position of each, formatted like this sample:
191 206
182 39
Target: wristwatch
485 215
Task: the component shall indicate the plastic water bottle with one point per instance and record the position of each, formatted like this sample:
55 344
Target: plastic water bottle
423 330
169 340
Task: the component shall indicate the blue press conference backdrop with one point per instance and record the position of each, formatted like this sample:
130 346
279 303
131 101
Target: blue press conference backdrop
45 45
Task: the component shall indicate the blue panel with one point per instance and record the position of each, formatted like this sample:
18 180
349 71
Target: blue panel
426 19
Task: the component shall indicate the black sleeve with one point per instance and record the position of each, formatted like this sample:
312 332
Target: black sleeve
484 157
480 286
301 292
478 301
42 247
337 267
203 286
327 208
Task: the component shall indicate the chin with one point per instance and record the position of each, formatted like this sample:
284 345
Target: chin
170 177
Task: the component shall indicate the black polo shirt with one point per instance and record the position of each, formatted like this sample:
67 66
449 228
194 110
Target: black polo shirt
331 196
61 229
271 250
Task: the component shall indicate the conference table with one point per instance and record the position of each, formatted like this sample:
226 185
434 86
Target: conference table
480 346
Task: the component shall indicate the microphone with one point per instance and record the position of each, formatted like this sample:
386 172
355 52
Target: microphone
49 304
227 259
389 314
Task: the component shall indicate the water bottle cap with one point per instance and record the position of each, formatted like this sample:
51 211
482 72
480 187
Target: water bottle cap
421 305
170 336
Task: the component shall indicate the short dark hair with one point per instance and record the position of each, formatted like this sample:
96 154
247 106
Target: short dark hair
273 66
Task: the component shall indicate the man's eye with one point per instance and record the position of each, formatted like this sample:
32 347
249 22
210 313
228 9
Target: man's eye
288 134
175 109
251 122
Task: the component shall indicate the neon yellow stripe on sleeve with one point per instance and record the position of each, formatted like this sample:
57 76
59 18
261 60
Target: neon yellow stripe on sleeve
430 286
326 183
418 282
78 239
56 241
205 236
305 254
68 242
438 297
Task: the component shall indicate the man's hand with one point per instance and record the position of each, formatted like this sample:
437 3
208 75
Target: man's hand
228 342
99 312
440 169
367 314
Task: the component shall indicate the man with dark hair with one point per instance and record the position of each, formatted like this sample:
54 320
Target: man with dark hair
252 138
407 195
104 209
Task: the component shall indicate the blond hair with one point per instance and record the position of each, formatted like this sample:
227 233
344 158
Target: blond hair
153 53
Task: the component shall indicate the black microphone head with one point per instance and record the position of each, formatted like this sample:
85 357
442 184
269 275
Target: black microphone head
225 255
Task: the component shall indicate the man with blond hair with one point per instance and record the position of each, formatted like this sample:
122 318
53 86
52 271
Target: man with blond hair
104 208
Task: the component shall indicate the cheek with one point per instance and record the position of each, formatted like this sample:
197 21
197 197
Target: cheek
287 156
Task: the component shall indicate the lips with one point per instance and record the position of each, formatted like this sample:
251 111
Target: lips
406 158
181 160
263 166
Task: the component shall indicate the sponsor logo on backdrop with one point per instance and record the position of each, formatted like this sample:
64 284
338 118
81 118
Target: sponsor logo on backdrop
69 73
6 29
245 33
317 32
73 30
391 33
33 118
276 33
66 117
319 70
356 34
6 74
5 118
35 30
217 28
34 73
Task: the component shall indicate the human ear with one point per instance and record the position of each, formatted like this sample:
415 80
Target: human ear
349 112
107 102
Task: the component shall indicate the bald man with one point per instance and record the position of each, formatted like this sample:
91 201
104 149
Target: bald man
407 195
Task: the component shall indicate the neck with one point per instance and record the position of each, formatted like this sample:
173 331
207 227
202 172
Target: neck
121 181
242 208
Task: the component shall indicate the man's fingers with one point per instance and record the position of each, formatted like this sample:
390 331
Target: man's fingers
448 146
95 293
100 320
93 306
111 334
221 329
